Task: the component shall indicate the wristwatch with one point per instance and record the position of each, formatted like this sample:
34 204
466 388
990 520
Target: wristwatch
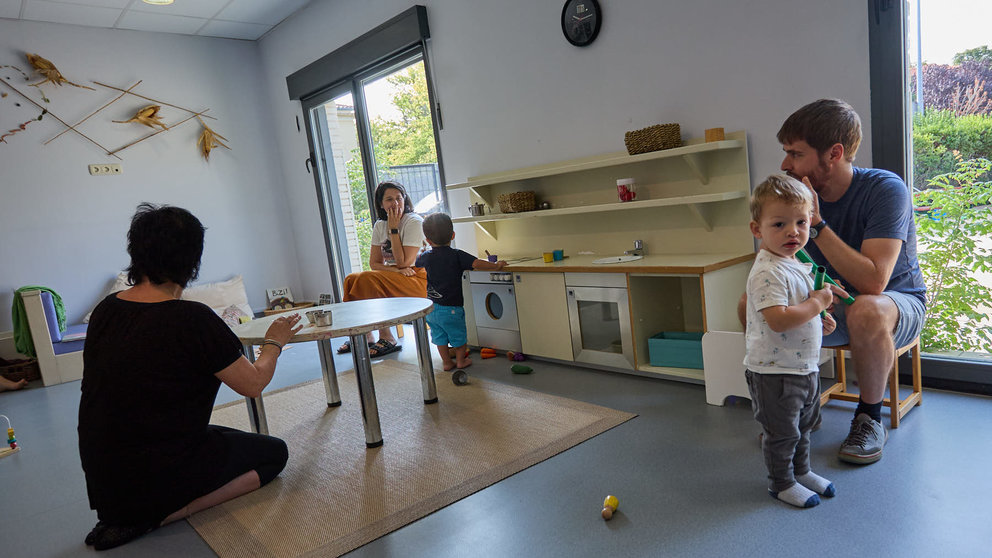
394 231
814 231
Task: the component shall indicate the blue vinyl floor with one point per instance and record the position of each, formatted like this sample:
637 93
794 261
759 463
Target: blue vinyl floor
689 476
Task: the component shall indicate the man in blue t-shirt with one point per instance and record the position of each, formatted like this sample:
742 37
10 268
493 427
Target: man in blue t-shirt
863 231
444 266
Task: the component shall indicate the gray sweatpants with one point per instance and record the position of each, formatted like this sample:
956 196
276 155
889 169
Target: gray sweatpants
787 406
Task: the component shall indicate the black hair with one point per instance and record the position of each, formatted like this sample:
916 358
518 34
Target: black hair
380 192
165 244
438 229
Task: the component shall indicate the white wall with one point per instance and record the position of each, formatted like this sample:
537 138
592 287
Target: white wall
62 228
515 93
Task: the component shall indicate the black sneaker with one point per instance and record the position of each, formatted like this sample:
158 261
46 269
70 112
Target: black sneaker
91 537
112 536
864 442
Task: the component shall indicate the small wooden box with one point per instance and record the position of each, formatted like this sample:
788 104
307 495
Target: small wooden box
296 306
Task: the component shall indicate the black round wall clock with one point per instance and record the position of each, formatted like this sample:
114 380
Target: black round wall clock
581 20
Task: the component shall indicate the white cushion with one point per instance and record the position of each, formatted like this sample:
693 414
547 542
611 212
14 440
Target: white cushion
218 296
221 295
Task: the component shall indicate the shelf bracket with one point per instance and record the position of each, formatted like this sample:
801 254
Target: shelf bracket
482 192
696 164
489 228
700 213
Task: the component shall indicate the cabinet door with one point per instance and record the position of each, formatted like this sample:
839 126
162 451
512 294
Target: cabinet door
543 313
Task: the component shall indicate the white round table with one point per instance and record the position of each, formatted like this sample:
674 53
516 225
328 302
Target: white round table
352 319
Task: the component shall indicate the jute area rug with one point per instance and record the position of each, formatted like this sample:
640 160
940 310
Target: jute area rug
335 495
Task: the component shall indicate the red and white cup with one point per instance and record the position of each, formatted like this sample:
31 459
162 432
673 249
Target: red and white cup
626 189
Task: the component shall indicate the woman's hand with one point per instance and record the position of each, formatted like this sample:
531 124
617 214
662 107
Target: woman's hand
284 328
393 216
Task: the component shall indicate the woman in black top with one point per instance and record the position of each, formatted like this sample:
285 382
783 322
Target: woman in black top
152 367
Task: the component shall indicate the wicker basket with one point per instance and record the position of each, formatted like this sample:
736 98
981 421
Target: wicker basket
17 370
653 138
516 202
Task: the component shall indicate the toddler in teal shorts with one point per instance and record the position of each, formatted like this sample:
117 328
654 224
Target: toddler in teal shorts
444 266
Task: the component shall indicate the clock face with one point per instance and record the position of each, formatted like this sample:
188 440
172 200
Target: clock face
580 21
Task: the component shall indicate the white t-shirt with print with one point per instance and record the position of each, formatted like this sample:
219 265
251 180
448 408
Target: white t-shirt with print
778 281
411 231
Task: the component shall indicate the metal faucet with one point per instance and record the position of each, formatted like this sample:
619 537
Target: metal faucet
638 249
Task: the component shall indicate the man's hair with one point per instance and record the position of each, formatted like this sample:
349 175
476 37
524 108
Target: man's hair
165 244
380 192
780 187
438 229
822 124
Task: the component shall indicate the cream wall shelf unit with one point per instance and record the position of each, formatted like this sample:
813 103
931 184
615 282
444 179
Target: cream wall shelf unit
698 188
692 155
693 202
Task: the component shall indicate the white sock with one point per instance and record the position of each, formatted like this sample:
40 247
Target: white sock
797 495
817 484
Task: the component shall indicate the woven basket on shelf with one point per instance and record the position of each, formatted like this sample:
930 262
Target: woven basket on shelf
516 202
17 370
653 138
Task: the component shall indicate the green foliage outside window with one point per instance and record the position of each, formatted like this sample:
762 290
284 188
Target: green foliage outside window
940 138
978 54
953 217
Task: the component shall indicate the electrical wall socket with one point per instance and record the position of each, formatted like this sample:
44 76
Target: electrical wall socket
108 168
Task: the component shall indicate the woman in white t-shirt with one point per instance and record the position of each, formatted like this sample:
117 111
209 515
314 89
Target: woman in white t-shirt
397 238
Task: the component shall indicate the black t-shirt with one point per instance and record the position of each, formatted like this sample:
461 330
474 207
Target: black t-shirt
147 393
444 266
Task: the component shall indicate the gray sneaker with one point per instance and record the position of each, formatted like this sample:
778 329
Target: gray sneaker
864 442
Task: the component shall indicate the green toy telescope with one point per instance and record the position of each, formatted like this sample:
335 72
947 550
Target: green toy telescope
804 257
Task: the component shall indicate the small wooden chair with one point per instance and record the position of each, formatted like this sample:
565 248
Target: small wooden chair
898 407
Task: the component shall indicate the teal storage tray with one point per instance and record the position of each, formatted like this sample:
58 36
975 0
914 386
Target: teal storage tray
676 349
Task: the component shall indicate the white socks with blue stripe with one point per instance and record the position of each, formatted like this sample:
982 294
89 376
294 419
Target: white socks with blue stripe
797 495
817 484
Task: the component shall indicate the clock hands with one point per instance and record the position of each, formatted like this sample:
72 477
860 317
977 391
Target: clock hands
583 18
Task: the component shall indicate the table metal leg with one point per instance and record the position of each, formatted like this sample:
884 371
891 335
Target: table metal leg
426 365
366 390
330 373
256 409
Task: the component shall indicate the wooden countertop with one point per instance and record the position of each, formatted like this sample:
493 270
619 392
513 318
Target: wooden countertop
660 263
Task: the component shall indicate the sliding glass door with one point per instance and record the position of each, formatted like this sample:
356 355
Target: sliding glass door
376 126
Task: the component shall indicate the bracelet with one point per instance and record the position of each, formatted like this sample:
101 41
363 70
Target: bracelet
272 342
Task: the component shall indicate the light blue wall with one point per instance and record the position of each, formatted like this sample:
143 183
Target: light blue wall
515 93
62 228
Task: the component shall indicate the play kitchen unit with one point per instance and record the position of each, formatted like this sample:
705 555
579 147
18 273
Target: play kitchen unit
641 279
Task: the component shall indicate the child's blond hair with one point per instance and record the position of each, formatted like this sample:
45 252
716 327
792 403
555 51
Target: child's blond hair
780 187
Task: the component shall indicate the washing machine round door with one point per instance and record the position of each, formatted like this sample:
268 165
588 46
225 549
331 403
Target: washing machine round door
494 306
